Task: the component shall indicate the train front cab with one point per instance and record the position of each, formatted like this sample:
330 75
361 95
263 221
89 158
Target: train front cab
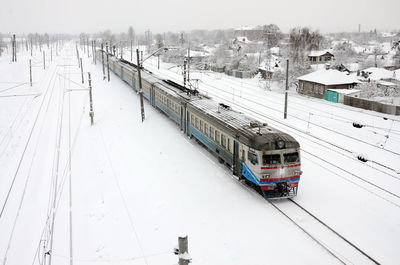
276 173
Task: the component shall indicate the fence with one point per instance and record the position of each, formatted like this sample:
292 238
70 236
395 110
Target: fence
371 105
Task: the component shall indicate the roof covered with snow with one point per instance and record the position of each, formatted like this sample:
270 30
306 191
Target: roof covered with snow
378 73
329 77
319 53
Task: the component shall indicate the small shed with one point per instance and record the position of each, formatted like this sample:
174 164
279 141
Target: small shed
317 83
337 95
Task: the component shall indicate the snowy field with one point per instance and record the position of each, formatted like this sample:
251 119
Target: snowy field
134 187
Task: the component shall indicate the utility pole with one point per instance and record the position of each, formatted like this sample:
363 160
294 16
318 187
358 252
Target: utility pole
184 258
102 60
77 55
91 112
140 85
51 53
184 72
188 67
108 65
82 70
287 88
44 60
30 71
131 50
158 64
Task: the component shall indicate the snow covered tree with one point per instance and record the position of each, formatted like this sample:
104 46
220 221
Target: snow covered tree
302 40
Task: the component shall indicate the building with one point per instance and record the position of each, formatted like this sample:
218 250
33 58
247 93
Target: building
320 57
317 83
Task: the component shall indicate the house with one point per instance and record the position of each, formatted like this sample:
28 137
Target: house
317 83
320 57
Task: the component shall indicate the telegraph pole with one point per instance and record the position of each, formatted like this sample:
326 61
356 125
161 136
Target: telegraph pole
188 67
44 60
140 85
91 112
287 88
102 60
30 71
82 70
131 50
108 65
184 73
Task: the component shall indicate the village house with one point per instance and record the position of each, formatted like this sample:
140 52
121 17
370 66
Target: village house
317 83
320 57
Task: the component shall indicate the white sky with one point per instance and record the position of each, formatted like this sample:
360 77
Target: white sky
74 16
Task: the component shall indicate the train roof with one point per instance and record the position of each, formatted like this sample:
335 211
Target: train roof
251 132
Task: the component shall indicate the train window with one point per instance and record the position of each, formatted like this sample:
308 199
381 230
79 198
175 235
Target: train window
201 125
212 132
291 158
206 128
192 119
252 157
197 122
271 159
223 140
216 136
229 144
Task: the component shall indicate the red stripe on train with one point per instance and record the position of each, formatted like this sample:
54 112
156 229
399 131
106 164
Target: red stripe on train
294 177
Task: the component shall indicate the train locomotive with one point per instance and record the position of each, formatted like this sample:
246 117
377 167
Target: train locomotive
265 158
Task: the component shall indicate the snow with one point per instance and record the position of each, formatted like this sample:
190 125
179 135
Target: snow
345 91
136 186
319 53
329 77
378 73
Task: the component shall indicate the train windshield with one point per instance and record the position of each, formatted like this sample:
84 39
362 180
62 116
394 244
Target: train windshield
271 159
291 158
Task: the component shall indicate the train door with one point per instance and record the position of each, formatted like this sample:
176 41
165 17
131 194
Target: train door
236 161
187 123
182 113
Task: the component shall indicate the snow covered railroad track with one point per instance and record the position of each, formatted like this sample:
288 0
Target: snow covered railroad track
324 235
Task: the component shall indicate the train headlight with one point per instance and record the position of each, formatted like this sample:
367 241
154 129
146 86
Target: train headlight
280 144
265 176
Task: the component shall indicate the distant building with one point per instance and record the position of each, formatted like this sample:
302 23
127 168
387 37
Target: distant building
320 57
317 83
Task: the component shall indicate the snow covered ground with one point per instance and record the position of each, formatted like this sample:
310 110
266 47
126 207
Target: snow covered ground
136 186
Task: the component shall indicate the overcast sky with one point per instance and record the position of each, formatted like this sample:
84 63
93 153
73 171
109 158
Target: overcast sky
75 16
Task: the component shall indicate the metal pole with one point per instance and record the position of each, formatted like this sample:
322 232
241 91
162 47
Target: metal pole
82 70
183 250
30 71
51 53
131 50
184 73
91 112
102 60
108 66
158 65
77 55
140 85
287 88
44 60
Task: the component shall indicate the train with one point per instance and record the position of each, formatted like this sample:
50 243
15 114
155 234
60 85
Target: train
266 159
